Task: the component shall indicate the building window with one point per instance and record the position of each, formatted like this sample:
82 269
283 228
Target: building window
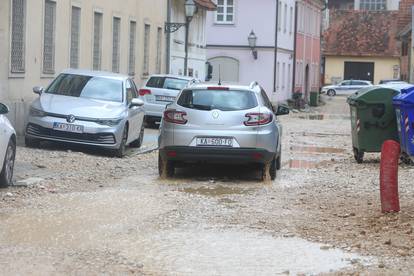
116 33
291 20
159 52
49 38
285 19
373 5
279 16
404 48
225 12
289 78
277 76
132 43
75 37
147 33
97 40
17 49
283 75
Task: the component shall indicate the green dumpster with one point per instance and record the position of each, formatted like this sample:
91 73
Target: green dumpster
373 120
314 98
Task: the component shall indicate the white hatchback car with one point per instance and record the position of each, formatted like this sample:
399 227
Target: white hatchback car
7 148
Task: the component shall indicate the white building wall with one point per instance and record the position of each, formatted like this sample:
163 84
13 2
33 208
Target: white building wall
16 88
197 42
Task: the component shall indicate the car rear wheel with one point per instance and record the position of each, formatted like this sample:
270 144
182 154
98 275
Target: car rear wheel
138 143
6 175
166 168
331 92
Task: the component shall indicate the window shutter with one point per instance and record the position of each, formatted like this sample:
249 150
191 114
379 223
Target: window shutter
132 42
75 37
115 44
97 41
49 38
17 51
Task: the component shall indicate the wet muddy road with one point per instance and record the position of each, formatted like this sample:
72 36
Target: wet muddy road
87 214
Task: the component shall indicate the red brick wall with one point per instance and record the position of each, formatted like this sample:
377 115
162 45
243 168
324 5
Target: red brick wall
404 14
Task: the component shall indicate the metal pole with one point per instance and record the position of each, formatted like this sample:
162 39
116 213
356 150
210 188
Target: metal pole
187 27
295 48
275 73
168 38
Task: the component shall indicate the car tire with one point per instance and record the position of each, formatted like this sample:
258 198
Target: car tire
331 92
138 143
273 169
31 142
6 175
121 150
359 156
166 168
279 162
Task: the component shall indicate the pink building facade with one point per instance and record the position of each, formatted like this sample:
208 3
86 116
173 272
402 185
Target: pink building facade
307 76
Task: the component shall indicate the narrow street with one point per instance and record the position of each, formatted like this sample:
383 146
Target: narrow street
74 211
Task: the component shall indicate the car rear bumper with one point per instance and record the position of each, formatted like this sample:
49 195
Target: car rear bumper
217 155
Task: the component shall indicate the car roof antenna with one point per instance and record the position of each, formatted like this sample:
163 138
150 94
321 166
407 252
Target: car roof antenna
219 83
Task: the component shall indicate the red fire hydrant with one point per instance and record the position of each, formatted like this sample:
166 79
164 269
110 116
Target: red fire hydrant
390 154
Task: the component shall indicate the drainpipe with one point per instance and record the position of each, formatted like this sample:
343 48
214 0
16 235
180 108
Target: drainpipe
168 37
321 58
295 47
275 73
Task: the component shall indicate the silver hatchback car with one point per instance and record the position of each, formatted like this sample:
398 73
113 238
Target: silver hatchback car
88 107
228 124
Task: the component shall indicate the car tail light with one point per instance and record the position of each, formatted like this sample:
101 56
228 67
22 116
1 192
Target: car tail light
143 92
175 117
258 119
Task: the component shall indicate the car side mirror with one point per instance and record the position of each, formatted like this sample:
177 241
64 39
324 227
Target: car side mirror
282 110
38 90
4 109
136 103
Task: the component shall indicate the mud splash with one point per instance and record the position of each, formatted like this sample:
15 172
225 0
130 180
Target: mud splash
238 252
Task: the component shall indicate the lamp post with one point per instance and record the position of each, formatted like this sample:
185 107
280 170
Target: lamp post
190 10
252 38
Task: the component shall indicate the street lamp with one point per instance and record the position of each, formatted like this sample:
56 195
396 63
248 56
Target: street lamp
190 10
252 38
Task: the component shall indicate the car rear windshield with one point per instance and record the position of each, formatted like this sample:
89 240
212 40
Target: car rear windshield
98 88
224 100
167 83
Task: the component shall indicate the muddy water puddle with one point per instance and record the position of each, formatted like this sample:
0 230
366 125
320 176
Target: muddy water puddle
315 149
238 252
320 117
304 164
218 190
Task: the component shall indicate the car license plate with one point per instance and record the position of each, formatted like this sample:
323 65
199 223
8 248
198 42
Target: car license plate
165 98
68 127
215 141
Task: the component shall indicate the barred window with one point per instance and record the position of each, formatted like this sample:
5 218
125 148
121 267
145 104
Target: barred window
17 51
159 51
75 37
97 40
373 5
132 43
49 38
147 33
115 44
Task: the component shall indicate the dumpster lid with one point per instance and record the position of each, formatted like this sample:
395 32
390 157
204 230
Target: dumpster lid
374 95
406 96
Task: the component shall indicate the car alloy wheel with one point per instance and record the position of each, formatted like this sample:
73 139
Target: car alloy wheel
6 176
331 92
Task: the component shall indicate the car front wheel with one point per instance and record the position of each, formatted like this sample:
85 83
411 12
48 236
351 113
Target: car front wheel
6 175
138 143
331 92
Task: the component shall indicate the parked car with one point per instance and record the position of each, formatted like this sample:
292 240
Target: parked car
221 124
90 108
7 148
159 91
392 82
346 87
